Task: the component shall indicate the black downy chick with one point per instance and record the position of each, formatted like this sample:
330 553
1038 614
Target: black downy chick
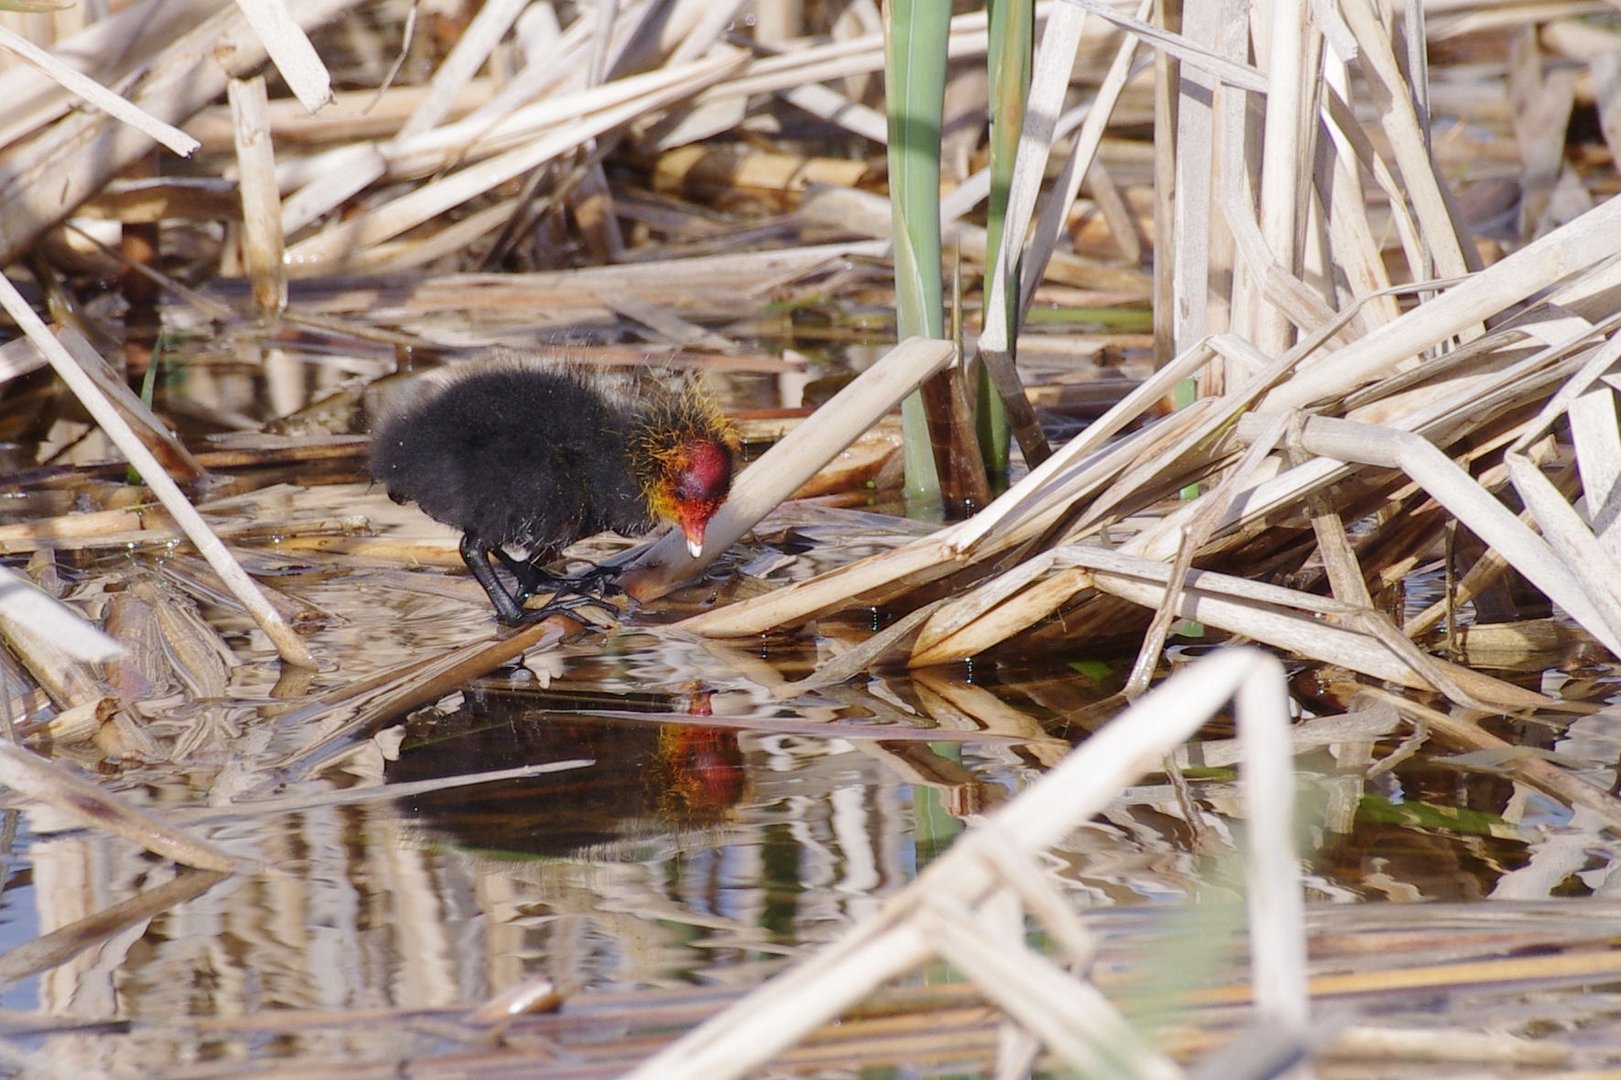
533 453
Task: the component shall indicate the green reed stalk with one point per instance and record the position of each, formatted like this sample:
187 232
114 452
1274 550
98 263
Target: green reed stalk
1012 38
915 81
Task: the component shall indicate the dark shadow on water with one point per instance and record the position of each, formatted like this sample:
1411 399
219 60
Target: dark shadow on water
648 780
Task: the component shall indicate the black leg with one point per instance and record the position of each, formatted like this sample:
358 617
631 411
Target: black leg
476 554
568 596
533 577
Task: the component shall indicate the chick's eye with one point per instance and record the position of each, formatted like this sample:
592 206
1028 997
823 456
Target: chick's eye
692 488
705 476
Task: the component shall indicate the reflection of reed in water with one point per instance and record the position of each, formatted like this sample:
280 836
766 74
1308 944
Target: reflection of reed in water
658 866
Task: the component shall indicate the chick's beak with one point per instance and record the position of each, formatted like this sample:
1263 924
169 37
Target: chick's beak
694 532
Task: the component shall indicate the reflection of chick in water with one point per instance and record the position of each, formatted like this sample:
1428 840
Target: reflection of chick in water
700 772
648 780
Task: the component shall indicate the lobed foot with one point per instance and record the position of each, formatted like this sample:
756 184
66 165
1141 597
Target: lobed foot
571 604
532 577
569 595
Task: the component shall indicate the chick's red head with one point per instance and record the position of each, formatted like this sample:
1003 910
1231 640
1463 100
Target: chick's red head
696 480
683 451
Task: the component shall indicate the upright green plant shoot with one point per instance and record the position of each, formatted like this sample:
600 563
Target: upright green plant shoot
1012 39
914 90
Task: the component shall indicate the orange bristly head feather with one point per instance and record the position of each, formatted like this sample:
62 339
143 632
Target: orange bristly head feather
684 453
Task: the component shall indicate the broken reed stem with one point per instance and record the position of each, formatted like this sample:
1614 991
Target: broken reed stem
290 50
262 240
81 85
789 464
1594 236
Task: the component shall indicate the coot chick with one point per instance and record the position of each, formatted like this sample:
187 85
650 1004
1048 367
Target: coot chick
533 453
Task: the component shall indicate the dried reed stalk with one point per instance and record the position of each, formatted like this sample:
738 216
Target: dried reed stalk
288 644
262 239
96 94
77 155
790 463
1432 380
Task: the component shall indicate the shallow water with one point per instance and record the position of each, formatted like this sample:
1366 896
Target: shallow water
681 851
703 825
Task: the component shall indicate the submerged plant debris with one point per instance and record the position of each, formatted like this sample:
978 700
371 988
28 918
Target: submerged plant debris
1319 325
